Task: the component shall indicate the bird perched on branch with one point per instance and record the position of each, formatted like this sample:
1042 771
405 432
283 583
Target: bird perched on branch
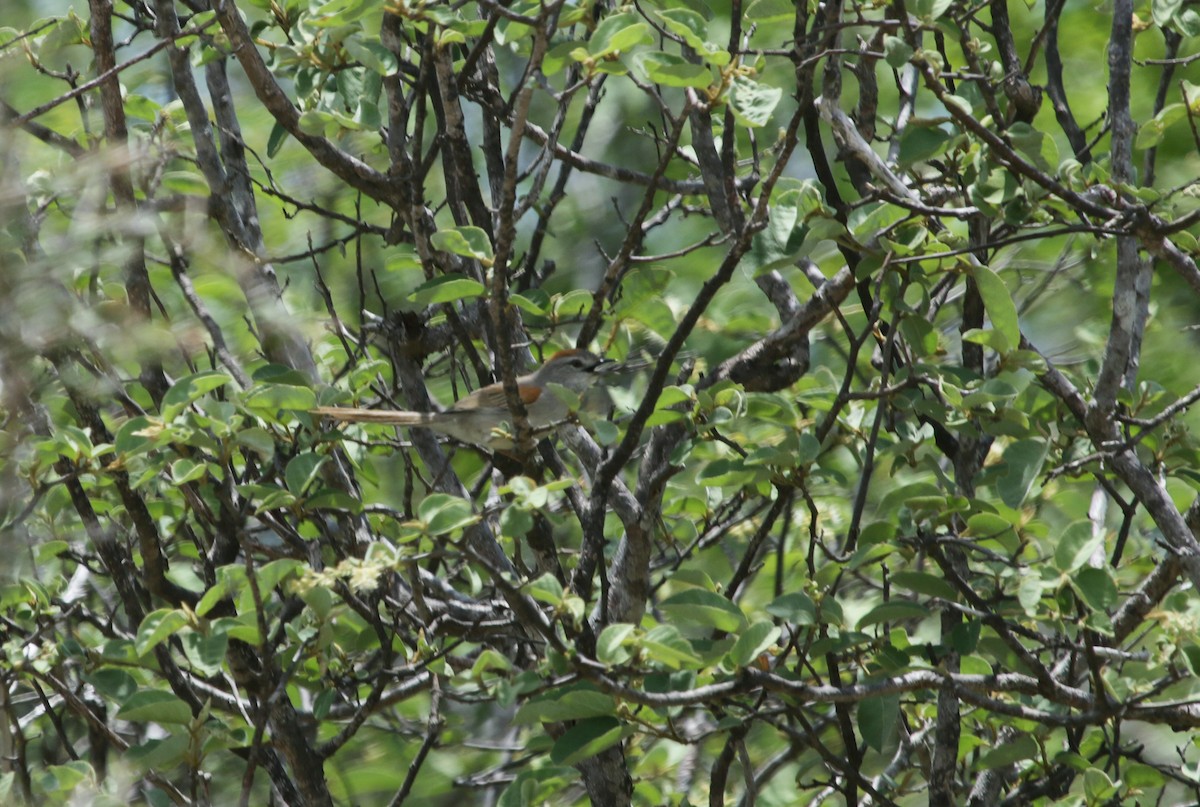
477 417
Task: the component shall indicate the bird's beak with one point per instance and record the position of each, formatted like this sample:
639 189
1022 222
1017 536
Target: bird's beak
607 366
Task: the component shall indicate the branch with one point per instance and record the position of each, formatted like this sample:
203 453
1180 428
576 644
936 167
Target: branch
348 168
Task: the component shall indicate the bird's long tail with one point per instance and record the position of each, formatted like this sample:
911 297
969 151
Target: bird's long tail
387 416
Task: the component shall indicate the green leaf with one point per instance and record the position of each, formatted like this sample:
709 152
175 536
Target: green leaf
930 10
616 33
189 388
113 683
277 138
275 572
470 242
559 707
206 653
753 642
868 221
1097 787
188 183
1097 587
1188 23
673 71
528 304
302 470
993 339
920 143
211 597
371 54
771 11
700 607
893 611
155 706
1076 546
159 754
515 522
692 28
877 720
897 51
753 102
998 303
727 472
924 583
316 123
546 589
447 289
1163 11
796 607
1023 463
666 645
1151 133
1023 746
586 739
533 788
61 780
256 439
1141 777
158 626
988 525
783 239
610 646
442 513
270 399
1035 145
184 471
136 435
267 497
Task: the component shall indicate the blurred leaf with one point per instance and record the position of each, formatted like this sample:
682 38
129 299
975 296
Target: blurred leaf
753 102
700 607
1097 587
470 242
447 289
442 513
672 71
796 607
1019 748
1023 463
998 303
897 51
924 583
877 720
618 33
205 652
893 611
1076 546
586 739
667 646
155 706
771 11
270 399
754 641
157 627
610 647
189 388
302 470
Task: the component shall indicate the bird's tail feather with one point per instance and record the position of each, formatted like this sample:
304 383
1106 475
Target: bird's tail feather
387 416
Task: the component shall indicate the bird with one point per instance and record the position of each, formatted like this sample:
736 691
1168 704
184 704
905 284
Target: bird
476 418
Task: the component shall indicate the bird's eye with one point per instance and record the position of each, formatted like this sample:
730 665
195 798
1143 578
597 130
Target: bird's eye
577 363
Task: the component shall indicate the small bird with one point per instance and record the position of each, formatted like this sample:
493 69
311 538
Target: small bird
477 417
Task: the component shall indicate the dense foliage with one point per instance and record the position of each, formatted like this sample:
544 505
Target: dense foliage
894 501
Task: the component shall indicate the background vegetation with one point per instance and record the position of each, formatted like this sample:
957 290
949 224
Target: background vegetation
895 502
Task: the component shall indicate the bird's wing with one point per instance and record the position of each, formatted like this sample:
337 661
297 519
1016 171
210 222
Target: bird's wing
492 397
